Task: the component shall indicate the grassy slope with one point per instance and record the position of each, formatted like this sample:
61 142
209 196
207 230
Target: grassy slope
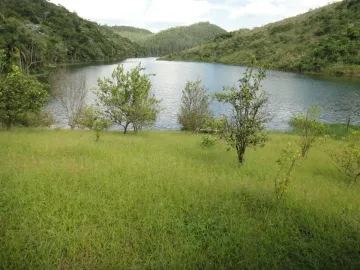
325 40
158 200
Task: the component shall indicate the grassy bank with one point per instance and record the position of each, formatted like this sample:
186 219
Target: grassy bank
157 200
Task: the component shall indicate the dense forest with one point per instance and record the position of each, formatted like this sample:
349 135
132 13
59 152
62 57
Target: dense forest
36 33
132 33
325 40
173 39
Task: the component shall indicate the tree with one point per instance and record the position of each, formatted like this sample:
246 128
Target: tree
19 95
195 107
309 127
245 126
70 91
127 99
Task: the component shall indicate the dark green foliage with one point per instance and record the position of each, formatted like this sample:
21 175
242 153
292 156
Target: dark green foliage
19 95
39 33
323 40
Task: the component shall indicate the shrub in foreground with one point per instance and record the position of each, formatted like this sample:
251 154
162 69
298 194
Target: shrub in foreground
245 127
309 127
94 119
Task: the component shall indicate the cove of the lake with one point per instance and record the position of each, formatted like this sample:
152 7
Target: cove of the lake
288 92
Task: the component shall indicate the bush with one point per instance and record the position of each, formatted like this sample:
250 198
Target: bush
309 127
44 118
208 141
94 119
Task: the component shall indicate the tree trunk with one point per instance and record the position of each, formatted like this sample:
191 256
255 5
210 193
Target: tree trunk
9 124
240 149
348 123
126 127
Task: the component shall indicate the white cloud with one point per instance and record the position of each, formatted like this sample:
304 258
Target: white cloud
159 13
106 9
184 11
278 8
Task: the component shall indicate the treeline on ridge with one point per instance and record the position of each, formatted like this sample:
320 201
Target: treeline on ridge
171 40
38 33
325 40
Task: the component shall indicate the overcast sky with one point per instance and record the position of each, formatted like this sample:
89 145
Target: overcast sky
157 15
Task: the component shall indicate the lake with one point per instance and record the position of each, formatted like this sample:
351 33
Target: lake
288 92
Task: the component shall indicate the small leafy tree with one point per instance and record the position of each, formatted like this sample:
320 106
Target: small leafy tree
70 91
19 95
94 119
208 141
348 159
287 163
127 99
245 127
309 127
195 107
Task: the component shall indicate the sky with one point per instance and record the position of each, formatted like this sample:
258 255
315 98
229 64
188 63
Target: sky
157 15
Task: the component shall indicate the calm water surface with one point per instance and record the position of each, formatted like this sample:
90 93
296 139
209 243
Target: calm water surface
289 92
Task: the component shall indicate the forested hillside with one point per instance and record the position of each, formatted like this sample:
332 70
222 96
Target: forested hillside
173 39
132 33
323 40
37 33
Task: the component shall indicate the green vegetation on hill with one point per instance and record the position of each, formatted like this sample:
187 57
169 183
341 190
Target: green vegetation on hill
38 33
158 200
173 39
323 40
132 33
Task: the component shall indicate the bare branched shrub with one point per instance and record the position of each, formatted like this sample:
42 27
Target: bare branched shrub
70 91
287 163
195 107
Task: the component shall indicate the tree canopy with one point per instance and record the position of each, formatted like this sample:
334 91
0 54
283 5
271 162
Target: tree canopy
173 39
322 40
36 33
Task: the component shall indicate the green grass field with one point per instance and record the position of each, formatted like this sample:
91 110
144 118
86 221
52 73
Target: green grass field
158 200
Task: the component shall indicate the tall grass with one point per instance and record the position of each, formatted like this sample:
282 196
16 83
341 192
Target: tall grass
158 200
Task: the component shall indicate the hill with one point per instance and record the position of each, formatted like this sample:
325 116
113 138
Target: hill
39 33
132 33
173 39
323 40
158 200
